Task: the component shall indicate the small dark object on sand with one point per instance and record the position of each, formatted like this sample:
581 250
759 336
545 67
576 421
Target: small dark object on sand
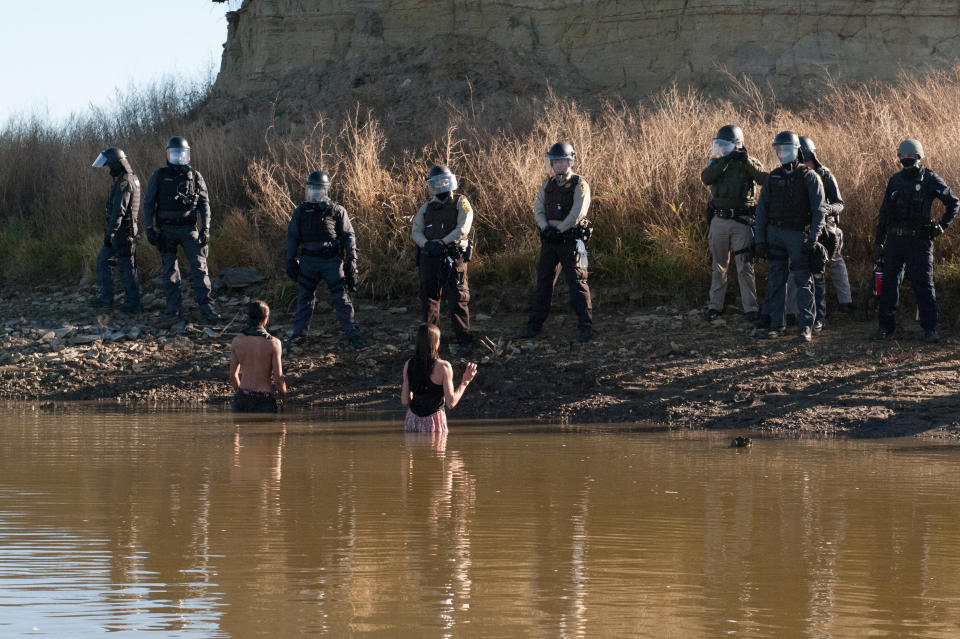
741 442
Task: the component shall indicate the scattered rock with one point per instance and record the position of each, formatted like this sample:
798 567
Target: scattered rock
84 339
240 277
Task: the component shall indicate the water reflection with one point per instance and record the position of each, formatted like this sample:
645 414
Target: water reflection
214 528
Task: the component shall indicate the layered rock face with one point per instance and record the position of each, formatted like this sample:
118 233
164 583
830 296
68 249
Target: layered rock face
615 48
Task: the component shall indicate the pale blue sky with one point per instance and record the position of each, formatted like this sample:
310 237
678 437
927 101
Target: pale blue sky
62 55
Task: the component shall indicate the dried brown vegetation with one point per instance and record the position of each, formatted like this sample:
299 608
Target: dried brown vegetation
643 163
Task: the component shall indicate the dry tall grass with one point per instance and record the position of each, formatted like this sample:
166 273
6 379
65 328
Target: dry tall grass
643 163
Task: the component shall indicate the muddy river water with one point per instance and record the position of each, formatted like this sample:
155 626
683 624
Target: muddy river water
192 524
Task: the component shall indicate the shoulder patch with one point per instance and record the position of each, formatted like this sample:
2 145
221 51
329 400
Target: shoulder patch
584 189
465 203
124 184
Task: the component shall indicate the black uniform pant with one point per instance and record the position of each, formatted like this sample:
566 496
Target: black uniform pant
915 253
570 257
439 275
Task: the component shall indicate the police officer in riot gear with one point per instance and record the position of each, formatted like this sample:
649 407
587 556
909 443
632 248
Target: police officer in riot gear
733 178
321 232
441 230
561 214
831 232
790 214
905 235
119 247
176 201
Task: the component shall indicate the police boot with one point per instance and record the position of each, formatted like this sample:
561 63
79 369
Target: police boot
848 309
131 309
762 321
529 332
881 335
356 341
464 349
585 335
931 336
96 302
209 314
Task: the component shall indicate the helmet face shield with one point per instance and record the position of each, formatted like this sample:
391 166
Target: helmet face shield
178 156
316 194
443 183
786 153
100 162
722 148
559 165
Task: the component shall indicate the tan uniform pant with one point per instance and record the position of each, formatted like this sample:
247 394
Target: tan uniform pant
727 237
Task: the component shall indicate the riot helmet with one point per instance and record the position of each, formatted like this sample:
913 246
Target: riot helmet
113 157
787 146
808 150
728 139
178 151
441 179
910 152
318 186
560 151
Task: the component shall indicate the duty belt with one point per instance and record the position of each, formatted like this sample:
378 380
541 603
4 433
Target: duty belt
181 221
790 226
324 253
910 231
742 215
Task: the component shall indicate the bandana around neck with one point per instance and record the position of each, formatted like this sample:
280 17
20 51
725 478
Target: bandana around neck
257 331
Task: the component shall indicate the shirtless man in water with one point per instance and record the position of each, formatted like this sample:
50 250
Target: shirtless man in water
255 370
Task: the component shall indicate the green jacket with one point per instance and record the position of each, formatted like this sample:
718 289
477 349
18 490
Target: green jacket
733 183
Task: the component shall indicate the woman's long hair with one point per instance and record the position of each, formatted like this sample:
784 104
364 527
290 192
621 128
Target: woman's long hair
425 355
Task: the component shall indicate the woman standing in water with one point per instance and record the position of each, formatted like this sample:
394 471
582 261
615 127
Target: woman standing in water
428 384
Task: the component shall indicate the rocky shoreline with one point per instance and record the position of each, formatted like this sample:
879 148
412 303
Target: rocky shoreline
665 365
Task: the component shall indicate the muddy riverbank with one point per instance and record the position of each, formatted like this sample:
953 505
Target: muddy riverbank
665 365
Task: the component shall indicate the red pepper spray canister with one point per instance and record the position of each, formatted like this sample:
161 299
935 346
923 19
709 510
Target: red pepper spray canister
878 280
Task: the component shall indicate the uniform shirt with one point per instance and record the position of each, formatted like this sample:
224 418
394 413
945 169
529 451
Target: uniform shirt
817 206
459 233
733 183
123 204
202 208
578 212
345 233
831 193
902 183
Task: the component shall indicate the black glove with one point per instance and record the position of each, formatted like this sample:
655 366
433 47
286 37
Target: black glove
738 155
817 258
153 236
550 233
935 231
293 269
203 237
761 250
433 248
350 276
108 240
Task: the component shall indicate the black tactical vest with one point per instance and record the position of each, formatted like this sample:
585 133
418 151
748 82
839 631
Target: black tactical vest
176 192
909 200
558 198
440 218
128 225
317 223
789 199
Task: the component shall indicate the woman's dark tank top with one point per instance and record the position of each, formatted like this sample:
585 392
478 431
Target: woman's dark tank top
427 396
